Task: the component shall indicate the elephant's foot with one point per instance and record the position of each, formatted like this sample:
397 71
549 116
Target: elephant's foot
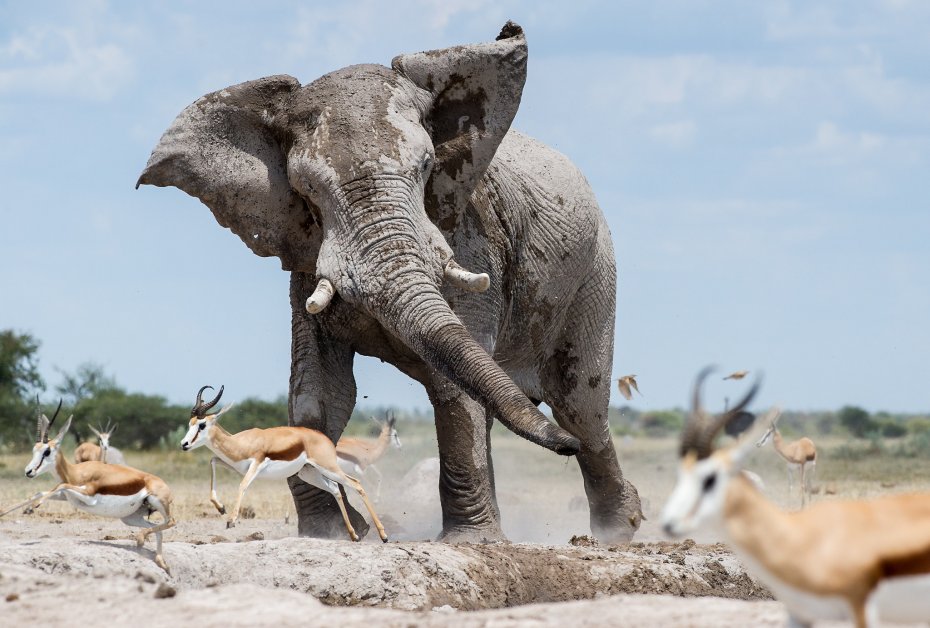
615 509
318 513
463 533
616 518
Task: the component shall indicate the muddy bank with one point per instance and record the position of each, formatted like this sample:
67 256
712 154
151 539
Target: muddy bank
408 576
33 597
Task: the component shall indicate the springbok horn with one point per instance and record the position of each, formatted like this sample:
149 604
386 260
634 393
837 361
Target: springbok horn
465 280
700 430
321 296
216 399
38 421
697 418
199 401
715 425
48 427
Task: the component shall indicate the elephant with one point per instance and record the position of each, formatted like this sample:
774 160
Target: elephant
377 188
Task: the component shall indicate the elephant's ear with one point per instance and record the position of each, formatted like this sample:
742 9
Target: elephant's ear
224 150
476 93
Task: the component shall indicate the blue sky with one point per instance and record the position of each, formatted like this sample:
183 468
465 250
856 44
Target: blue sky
763 167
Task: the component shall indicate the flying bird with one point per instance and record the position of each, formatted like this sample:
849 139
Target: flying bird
625 384
737 375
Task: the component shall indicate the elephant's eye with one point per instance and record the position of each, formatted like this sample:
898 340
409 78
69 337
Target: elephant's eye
427 162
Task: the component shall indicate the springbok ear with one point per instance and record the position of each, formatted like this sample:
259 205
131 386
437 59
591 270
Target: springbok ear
224 150
223 410
43 426
64 430
746 445
475 92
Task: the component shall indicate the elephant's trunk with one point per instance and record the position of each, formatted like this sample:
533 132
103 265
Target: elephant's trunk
402 293
433 331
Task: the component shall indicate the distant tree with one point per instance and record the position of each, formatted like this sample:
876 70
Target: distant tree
919 425
19 365
19 383
891 428
144 420
254 412
857 421
661 422
87 380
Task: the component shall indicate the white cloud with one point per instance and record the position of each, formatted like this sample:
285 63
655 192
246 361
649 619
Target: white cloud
674 134
331 34
830 139
63 61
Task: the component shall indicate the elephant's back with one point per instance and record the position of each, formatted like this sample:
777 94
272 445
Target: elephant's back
541 193
559 245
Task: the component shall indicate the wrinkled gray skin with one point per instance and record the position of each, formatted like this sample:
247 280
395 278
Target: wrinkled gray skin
374 178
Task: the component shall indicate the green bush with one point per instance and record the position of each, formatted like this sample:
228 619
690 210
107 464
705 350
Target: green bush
918 426
857 421
661 422
890 428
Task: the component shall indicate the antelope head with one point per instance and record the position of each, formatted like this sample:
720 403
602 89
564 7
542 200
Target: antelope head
704 472
391 425
772 430
201 420
45 450
103 435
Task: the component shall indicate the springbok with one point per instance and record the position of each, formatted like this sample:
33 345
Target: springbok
103 452
107 490
837 560
358 454
272 453
800 455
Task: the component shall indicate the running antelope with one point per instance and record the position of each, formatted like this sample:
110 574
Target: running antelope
359 454
801 456
272 453
107 490
103 452
863 561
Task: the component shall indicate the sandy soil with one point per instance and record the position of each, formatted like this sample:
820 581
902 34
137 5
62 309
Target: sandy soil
52 570
58 564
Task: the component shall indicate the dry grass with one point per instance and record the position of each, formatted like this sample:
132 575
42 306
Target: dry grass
540 494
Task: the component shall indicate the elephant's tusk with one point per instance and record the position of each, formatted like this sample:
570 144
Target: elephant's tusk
461 278
321 296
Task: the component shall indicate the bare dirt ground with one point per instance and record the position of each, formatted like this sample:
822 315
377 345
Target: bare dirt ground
52 570
58 564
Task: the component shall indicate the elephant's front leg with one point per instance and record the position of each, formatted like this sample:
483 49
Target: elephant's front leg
466 483
322 395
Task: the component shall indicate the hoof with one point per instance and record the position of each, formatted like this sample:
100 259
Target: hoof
384 539
230 524
161 563
222 510
140 540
